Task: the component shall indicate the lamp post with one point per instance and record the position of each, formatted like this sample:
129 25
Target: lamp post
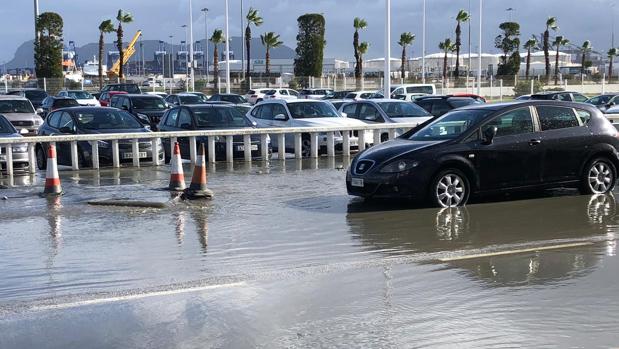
206 57
481 3
186 59
242 43
36 16
227 38
191 71
387 73
423 44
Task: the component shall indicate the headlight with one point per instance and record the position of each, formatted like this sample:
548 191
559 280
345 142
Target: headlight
399 166
20 148
38 121
103 144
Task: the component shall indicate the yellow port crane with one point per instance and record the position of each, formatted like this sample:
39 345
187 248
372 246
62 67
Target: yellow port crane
128 52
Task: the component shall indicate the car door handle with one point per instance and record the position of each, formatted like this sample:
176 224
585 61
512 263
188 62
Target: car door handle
535 141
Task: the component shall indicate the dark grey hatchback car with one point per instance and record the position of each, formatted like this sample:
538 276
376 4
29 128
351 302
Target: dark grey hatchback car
492 148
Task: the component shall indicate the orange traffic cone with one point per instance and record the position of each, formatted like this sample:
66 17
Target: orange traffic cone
52 180
177 177
198 189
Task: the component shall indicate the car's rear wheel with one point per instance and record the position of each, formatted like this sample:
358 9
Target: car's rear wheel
600 177
450 188
306 146
41 158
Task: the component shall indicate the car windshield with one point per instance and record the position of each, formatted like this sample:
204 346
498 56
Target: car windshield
127 88
233 99
190 99
202 97
155 103
5 126
35 94
461 102
65 102
308 110
220 117
16 106
80 95
402 109
450 125
106 119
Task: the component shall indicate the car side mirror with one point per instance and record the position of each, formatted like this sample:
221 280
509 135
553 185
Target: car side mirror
344 115
489 134
66 130
280 117
40 111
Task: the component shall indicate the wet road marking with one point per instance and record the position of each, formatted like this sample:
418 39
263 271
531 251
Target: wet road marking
525 250
132 297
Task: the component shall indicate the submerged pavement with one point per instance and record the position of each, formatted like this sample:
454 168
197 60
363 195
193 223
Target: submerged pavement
282 257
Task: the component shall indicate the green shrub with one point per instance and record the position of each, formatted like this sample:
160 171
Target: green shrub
524 87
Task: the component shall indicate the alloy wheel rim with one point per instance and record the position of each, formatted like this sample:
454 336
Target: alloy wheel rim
600 178
450 190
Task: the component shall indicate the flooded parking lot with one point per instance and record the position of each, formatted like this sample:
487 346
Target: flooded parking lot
282 257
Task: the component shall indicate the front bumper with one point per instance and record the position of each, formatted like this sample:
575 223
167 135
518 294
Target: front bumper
387 185
20 160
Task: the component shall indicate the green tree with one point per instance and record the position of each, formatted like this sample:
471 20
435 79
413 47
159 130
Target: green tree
48 49
508 42
253 17
358 24
462 17
269 40
612 53
310 46
121 17
559 41
551 24
584 49
446 46
406 39
217 38
529 45
104 28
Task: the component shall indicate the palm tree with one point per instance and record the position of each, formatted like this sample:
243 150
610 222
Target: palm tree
253 17
358 24
363 49
612 53
121 17
586 47
104 28
406 39
446 46
559 41
551 23
529 45
269 40
217 38
462 17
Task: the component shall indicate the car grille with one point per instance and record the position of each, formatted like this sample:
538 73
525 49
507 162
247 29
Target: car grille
22 123
363 166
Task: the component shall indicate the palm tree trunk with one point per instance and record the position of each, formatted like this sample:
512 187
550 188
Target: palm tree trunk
458 44
557 67
247 49
610 70
355 44
582 64
101 43
403 61
547 54
445 67
119 45
528 63
216 66
267 67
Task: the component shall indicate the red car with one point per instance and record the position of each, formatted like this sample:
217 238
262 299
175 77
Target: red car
105 97
472 95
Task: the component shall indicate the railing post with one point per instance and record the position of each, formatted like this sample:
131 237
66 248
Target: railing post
377 137
297 146
9 160
532 86
135 150
75 162
264 147
211 149
95 154
281 146
115 154
314 145
330 144
154 146
346 142
192 149
501 90
229 150
391 133
361 139
603 83
173 140
247 147
32 158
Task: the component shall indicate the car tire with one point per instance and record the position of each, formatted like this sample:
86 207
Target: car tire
450 188
599 177
306 146
41 158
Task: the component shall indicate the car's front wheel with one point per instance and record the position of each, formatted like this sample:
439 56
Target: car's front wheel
450 188
600 177
41 158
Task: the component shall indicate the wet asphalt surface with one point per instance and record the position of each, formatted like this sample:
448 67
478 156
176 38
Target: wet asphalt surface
282 257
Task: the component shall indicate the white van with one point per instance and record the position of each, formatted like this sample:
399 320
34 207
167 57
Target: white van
412 89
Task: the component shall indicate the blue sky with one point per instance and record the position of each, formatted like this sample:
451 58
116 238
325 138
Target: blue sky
578 20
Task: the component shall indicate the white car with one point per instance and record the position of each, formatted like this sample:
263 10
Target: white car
315 93
412 89
256 95
281 93
84 98
360 95
303 113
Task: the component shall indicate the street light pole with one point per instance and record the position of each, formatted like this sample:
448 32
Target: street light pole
227 38
186 59
192 73
479 58
206 57
423 44
242 43
387 78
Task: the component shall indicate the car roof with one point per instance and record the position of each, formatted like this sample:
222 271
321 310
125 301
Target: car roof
13 97
526 103
208 105
140 95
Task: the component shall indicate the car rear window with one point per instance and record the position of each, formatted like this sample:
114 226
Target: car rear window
402 109
5 126
16 106
61 103
35 94
554 118
462 102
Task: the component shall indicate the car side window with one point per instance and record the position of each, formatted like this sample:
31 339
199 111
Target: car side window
66 120
266 113
350 110
514 122
293 93
279 109
115 102
126 103
553 118
103 96
256 112
184 119
583 115
172 116
368 112
579 98
53 119
564 97
440 107
283 92
427 105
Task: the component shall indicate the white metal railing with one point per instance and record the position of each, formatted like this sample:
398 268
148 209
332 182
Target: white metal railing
377 131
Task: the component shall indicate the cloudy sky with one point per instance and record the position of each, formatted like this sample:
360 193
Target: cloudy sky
578 20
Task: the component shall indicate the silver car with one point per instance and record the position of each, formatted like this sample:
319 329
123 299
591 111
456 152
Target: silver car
20 112
19 150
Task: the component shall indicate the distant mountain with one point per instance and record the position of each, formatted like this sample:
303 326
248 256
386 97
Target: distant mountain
24 56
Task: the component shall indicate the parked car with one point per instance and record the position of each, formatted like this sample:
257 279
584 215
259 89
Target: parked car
52 103
20 112
492 148
385 111
337 103
256 95
160 94
302 113
183 98
560 96
82 97
282 93
604 102
359 95
34 95
208 117
129 88
106 97
202 96
439 105
410 97
149 109
228 97
315 93
412 89
93 120
19 150
337 95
